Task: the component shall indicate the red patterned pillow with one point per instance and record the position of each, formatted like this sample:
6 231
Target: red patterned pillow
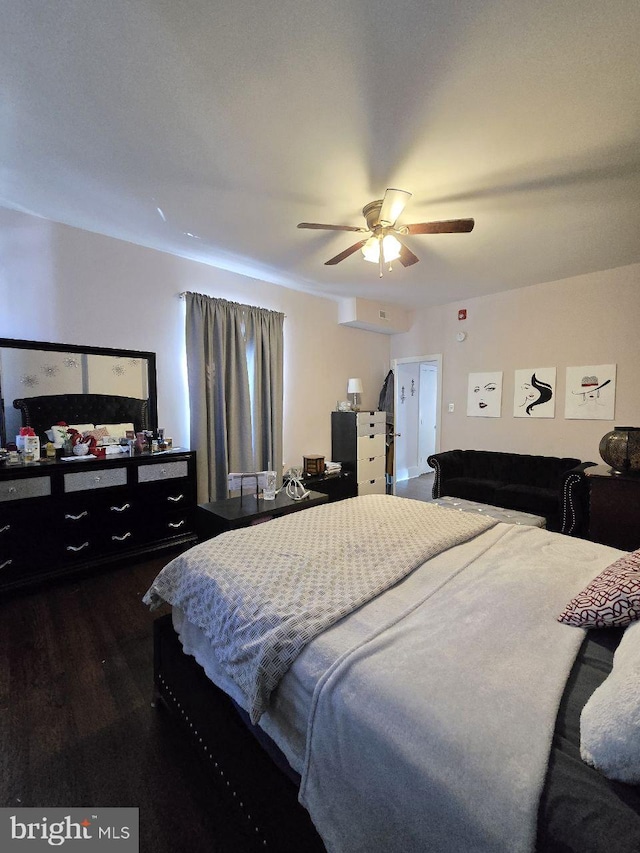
613 598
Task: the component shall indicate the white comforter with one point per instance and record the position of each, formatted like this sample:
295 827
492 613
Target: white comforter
423 720
261 594
433 734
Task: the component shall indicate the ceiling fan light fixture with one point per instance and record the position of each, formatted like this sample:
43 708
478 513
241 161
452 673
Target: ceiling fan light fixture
391 248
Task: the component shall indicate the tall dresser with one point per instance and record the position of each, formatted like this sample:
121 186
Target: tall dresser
62 517
358 441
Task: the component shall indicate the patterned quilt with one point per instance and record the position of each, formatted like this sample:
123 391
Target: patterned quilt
262 593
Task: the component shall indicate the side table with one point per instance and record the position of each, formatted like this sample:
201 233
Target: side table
614 507
230 514
337 486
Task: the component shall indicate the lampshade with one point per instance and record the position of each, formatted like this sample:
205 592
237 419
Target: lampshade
390 248
354 386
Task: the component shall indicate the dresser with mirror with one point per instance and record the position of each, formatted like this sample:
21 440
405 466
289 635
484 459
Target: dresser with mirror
59 517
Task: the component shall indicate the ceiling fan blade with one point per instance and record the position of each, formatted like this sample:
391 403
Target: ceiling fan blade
445 226
406 256
346 253
393 204
317 225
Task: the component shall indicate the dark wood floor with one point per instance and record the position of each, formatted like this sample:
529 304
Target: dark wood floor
77 726
418 488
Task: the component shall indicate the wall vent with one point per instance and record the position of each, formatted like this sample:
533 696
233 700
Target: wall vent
382 315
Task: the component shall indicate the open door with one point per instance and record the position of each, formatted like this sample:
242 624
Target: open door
416 426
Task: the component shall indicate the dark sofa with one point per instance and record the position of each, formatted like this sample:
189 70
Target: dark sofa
543 485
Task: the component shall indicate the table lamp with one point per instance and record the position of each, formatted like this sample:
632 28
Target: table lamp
354 386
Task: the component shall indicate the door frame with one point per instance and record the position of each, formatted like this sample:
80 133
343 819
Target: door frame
435 358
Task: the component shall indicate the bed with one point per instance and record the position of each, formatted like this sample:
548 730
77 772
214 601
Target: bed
428 698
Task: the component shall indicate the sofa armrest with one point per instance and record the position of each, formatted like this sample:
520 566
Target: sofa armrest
574 499
445 465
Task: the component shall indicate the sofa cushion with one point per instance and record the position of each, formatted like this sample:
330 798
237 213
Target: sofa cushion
473 489
542 471
529 499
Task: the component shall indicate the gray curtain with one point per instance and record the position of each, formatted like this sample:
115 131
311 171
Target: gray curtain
232 351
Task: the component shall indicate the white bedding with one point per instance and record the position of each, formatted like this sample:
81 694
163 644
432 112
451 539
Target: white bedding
261 594
491 764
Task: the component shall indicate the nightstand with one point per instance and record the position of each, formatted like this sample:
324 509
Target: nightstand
336 486
219 516
614 507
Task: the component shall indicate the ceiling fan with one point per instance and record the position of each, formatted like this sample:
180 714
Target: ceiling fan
384 244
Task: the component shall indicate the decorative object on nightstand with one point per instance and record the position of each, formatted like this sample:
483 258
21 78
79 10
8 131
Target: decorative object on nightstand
354 386
620 448
313 465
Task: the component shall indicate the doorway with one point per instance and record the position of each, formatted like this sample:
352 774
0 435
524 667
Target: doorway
417 407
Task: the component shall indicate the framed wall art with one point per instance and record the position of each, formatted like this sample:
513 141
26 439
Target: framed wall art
534 393
484 395
591 392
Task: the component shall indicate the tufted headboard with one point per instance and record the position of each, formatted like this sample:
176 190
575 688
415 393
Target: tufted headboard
43 412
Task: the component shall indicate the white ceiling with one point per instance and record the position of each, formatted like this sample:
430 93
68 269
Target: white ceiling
209 129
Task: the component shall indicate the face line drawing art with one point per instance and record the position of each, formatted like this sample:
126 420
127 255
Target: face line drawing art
484 394
591 393
536 393
486 389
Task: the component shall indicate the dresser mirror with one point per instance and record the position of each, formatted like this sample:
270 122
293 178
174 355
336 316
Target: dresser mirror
35 368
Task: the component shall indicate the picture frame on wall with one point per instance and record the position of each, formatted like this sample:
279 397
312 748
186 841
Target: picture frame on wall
591 392
484 395
534 393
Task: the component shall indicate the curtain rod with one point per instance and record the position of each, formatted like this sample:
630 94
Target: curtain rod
183 294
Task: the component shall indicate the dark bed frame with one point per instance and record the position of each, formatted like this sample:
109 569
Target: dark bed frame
579 810
262 795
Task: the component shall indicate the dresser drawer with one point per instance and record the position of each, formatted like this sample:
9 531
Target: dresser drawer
371 418
371 423
95 509
369 446
369 469
162 471
106 478
167 525
373 487
32 487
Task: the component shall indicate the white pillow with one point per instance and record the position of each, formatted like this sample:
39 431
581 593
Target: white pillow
82 427
117 430
610 721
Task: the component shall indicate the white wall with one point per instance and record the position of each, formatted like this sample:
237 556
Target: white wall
65 285
587 320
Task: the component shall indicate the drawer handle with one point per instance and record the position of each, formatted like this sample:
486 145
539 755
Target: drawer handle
163 471
5 528
115 538
12 490
70 517
175 498
5 564
77 547
97 479
120 508
176 524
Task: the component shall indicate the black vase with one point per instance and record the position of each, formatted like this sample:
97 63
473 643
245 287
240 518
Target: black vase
620 448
